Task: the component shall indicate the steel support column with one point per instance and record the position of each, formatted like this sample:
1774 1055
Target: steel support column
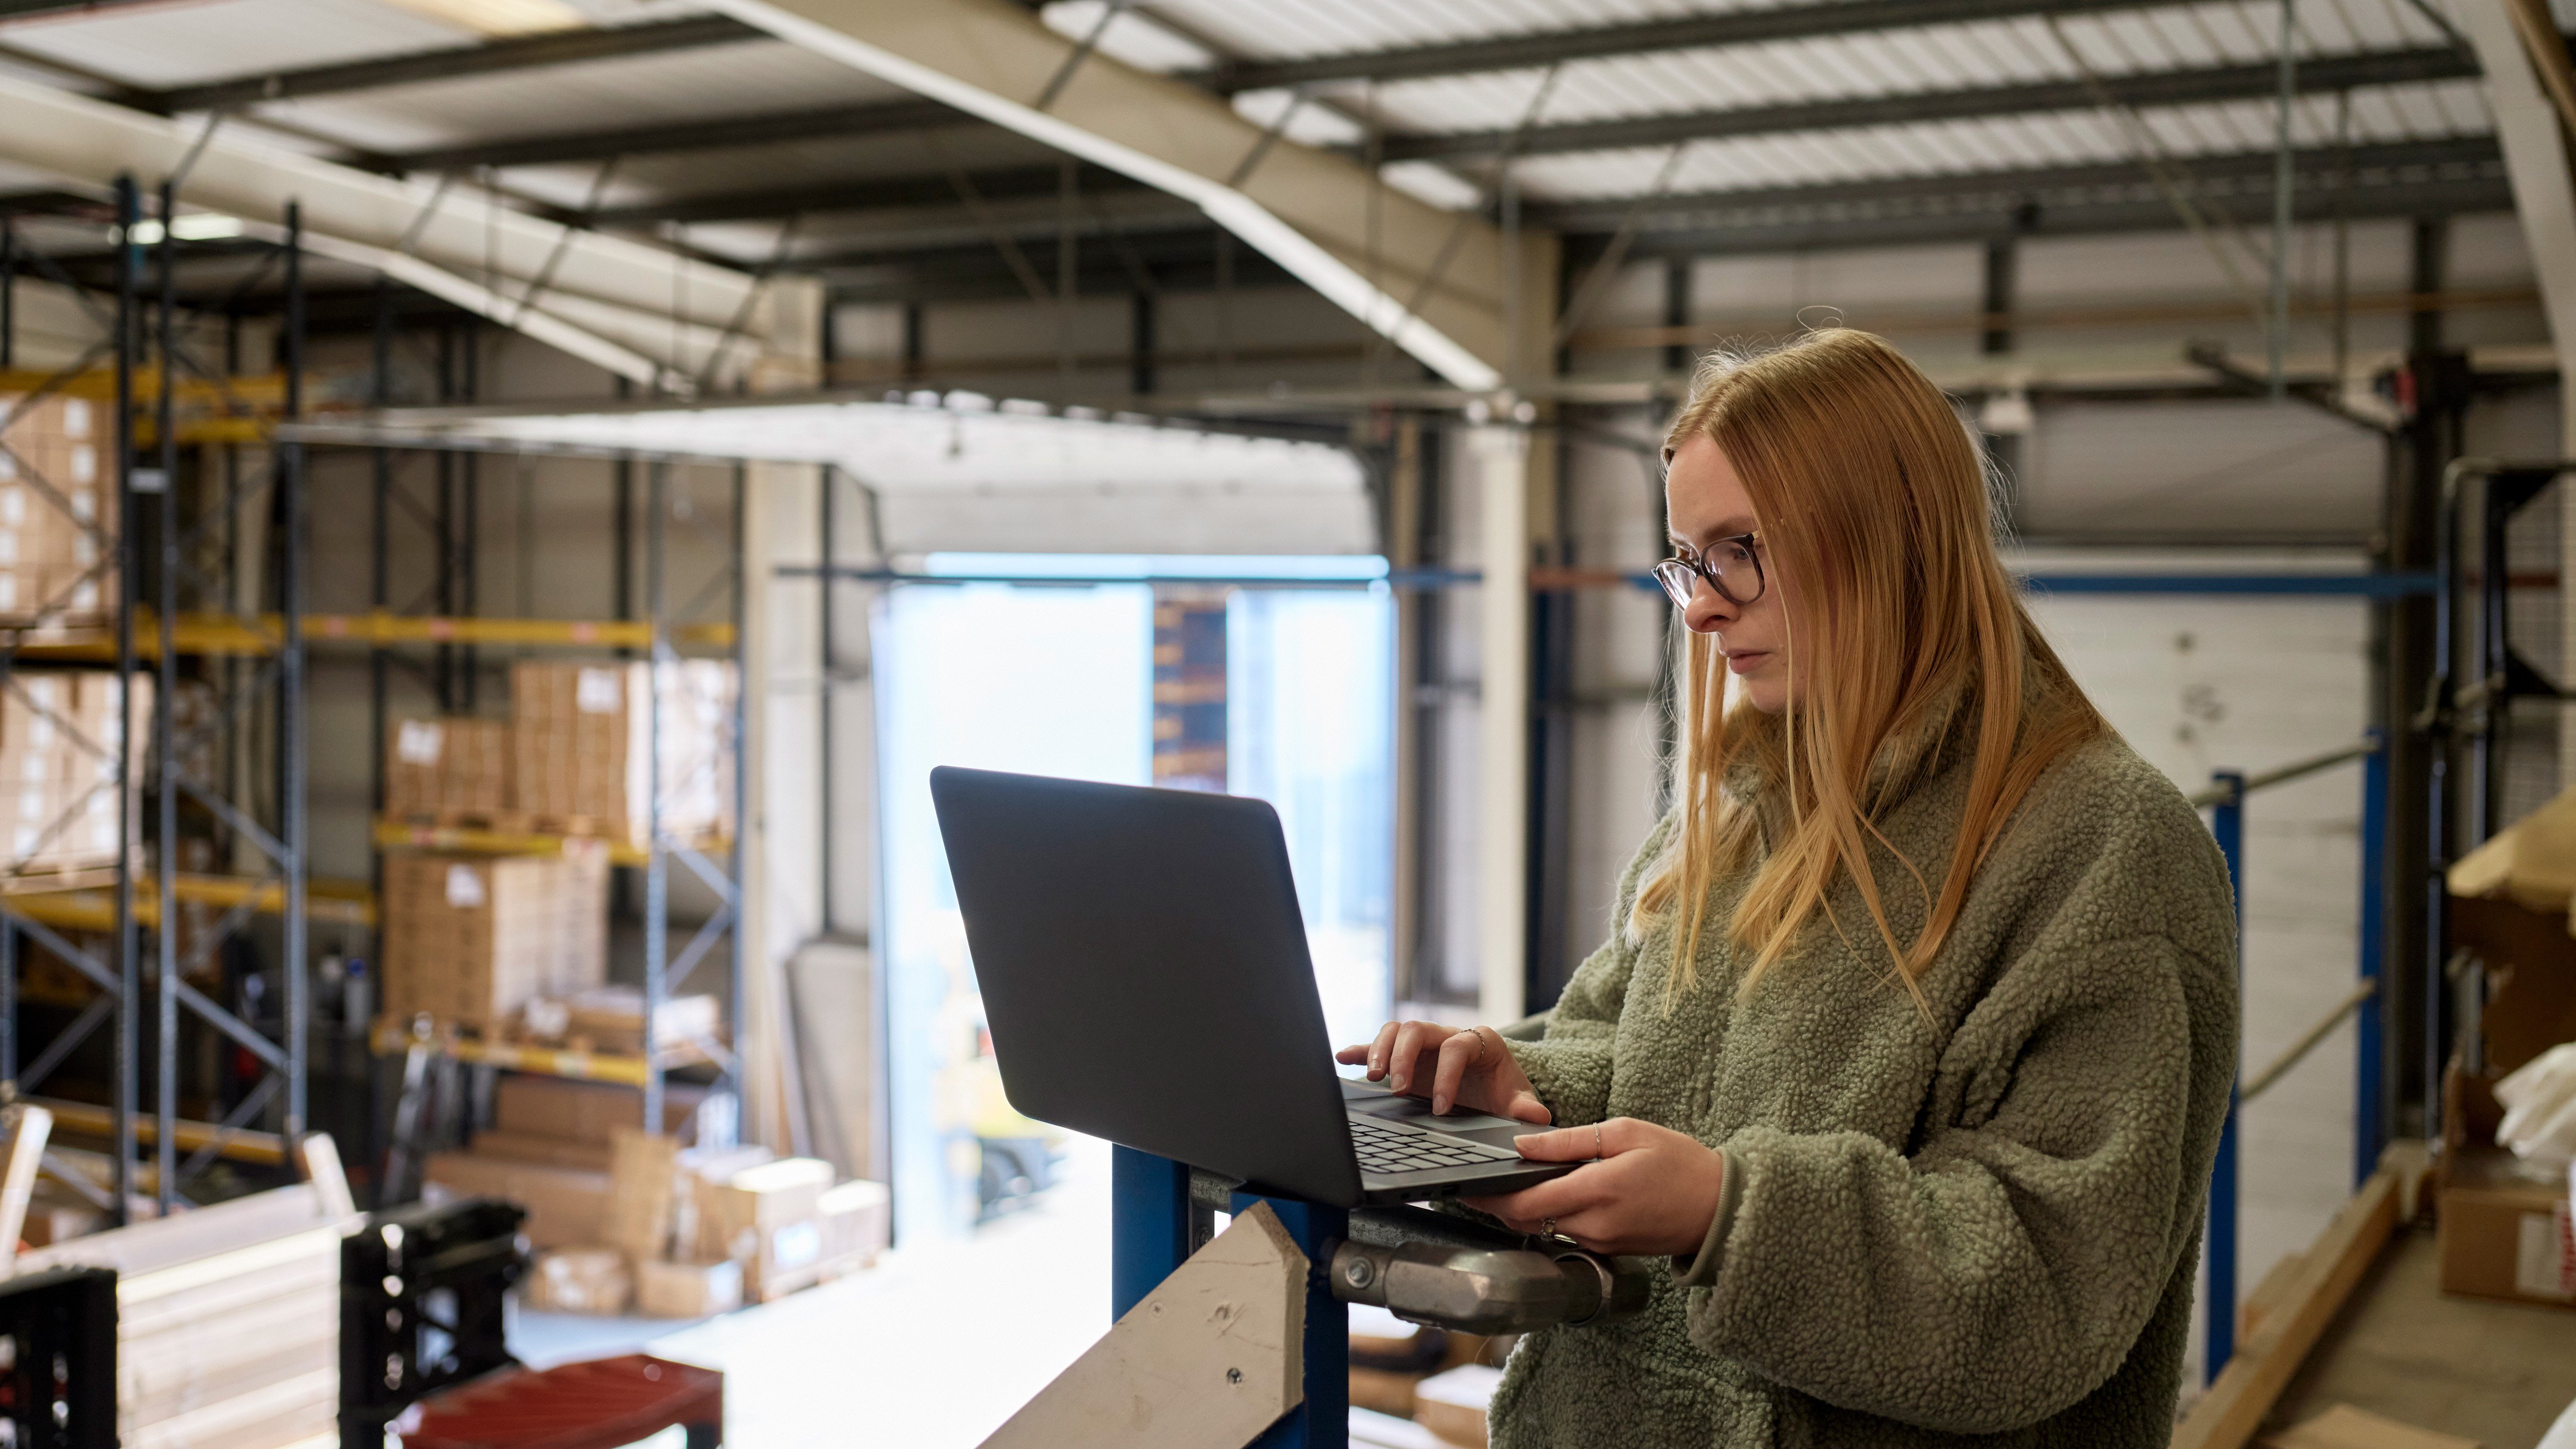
2218 1307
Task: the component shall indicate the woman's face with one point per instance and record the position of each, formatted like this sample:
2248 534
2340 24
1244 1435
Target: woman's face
1705 501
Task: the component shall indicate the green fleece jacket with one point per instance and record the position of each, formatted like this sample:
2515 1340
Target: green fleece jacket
1978 1229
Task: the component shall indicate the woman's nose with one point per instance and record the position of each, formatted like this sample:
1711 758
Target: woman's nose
1709 610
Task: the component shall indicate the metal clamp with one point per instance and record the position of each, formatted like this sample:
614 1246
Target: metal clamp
1430 1268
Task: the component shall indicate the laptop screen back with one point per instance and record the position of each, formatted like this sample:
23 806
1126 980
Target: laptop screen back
1144 971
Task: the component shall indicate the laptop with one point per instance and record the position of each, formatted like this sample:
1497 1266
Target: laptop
1145 977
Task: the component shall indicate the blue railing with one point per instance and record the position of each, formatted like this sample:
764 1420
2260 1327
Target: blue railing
2225 800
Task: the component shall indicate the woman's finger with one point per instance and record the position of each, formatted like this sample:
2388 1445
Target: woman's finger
1526 1107
1456 1054
1404 1062
1381 1050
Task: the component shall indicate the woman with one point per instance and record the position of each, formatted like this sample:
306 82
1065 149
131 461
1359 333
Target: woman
1913 1041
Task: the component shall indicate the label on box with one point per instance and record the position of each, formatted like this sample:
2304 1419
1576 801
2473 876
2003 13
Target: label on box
75 417
13 501
595 691
464 887
2541 1260
84 505
418 741
8 467
795 1245
84 463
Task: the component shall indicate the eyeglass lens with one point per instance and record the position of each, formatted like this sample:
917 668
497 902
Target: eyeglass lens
1729 565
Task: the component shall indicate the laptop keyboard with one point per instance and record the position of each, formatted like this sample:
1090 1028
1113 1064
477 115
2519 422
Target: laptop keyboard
1385 1149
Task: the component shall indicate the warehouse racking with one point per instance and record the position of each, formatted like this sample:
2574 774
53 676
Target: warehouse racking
179 534
221 636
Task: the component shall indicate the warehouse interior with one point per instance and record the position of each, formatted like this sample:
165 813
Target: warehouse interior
503 504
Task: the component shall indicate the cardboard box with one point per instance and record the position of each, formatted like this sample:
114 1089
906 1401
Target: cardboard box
687 1290
611 1019
567 1206
1452 1404
528 1147
857 1219
769 1218
580 1280
587 1112
2504 1228
642 1176
451 764
581 744
472 939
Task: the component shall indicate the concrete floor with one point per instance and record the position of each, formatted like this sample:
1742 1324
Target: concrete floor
931 1349
2499 1373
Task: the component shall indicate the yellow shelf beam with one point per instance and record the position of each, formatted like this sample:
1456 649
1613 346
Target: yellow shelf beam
240 1145
340 902
266 389
392 1037
223 634
392 834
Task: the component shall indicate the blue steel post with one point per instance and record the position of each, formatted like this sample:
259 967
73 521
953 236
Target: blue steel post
2227 823
2369 1130
1149 1236
1149 1224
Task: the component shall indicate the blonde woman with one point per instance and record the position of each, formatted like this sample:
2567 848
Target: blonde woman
1913 1039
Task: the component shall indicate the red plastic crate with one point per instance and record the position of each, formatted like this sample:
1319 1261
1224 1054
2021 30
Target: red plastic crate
602 1404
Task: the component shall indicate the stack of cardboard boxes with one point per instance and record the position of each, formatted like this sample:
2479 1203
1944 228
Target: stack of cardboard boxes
470 940
687 1232
454 764
54 490
548 1150
60 735
581 745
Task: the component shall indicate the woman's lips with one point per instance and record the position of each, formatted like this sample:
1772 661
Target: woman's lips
1747 661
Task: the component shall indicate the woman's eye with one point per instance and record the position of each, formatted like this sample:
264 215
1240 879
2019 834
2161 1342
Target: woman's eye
1731 554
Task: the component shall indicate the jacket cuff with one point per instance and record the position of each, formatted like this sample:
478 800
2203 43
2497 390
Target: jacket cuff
1699 1269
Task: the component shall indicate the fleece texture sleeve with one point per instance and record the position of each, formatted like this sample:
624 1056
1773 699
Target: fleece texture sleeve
1569 1066
2000 1273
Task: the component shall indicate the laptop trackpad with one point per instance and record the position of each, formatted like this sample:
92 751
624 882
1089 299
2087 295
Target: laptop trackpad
1389 1106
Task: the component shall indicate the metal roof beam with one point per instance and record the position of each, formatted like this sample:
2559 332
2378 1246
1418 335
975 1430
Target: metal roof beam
2412 179
997 187
565 47
2200 86
577 146
636 310
1547 47
2318 170
1452 290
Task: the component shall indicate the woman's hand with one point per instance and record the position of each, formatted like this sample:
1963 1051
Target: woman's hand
1470 1068
1653 1191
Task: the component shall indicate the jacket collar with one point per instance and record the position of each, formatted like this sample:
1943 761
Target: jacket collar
1940 735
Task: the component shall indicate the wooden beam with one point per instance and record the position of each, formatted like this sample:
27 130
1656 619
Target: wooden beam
2293 1318
21 1152
1207 1360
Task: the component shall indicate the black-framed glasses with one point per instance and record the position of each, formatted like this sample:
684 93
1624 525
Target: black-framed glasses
1732 566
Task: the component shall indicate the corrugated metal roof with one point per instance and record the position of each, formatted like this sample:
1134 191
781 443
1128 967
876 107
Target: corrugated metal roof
1281 29
1990 53
172 45
759 77
2381 114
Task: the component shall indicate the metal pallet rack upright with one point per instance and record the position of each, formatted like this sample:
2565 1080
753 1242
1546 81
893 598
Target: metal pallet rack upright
196 608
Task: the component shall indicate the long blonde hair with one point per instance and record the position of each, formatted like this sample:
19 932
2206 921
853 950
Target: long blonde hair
1870 493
